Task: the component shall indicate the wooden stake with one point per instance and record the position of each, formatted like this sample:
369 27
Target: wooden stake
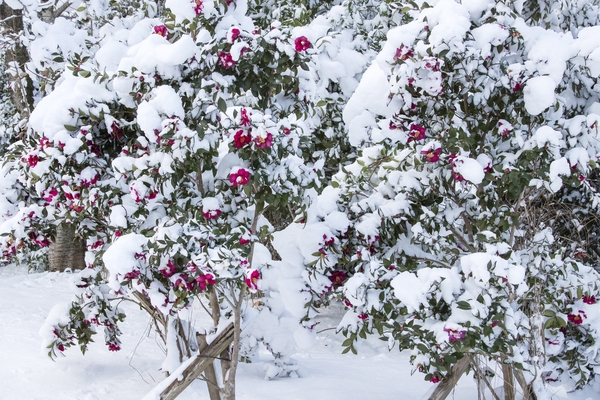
198 365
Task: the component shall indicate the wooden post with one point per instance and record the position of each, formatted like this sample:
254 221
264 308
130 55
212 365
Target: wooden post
198 364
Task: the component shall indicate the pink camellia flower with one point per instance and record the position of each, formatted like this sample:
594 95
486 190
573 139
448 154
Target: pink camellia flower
432 155
205 280
226 60
264 142
434 379
252 279
241 177
234 33
244 241
131 275
161 30
198 6
211 214
76 208
168 270
417 132
286 131
363 316
402 53
575 318
302 43
60 347
589 299
113 346
431 63
337 278
454 335
32 160
241 138
245 118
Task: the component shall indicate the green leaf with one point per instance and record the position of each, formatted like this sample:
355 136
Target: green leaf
71 128
222 105
549 313
463 305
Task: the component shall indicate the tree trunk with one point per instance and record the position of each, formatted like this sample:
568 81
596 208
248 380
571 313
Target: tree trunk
528 392
447 384
67 251
16 57
509 382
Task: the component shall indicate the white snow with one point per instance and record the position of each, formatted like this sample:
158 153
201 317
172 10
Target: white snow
539 94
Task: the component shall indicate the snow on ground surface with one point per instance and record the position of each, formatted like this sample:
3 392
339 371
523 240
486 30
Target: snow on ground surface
27 373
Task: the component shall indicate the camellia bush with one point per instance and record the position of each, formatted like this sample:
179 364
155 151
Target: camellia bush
477 134
432 166
174 145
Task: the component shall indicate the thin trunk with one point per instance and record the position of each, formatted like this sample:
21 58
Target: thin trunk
209 373
449 382
67 251
528 392
229 380
509 382
16 57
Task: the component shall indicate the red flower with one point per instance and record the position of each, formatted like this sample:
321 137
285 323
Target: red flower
198 7
226 60
432 155
402 53
113 346
32 160
204 280
132 275
235 32
60 347
363 316
337 278
211 214
262 142
161 30
241 138
417 132
589 299
245 118
302 43
244 241
574 318
455 335
241 177
169 270
252 280
434 379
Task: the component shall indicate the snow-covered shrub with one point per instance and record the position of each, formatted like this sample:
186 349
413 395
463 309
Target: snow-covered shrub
470 124
174 145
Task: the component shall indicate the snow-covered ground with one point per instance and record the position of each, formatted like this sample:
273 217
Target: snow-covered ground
26 372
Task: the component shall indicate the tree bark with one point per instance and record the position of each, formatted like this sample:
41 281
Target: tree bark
449 382
16 57
528 393
509 382
209 373
182 379
67 251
